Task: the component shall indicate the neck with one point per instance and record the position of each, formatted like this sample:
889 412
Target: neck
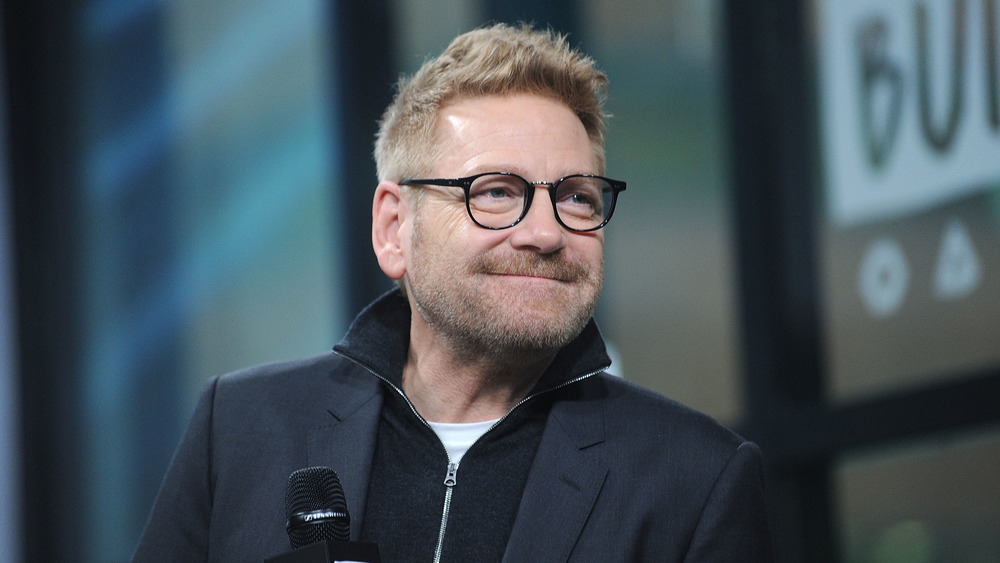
449 386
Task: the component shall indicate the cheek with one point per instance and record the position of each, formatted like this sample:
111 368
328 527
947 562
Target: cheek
588 248
456 224
463 237
446 219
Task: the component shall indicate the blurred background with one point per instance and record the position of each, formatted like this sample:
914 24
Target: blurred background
809 248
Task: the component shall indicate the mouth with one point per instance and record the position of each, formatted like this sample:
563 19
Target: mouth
530 276
531 268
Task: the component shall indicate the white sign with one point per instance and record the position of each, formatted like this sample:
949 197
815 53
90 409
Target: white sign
909 96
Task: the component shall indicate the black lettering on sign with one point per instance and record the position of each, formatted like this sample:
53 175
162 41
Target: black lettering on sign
992 63
881 89
888 84
940 138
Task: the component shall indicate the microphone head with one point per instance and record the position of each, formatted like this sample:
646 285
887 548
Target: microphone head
316 507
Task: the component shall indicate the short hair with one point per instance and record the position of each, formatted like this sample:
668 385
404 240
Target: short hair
499 60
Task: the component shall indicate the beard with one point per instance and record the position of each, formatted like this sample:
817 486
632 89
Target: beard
481 313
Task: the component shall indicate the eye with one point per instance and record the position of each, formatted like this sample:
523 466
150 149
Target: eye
496 187
581 197
496 193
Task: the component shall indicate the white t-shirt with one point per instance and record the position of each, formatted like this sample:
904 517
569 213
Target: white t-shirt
457 437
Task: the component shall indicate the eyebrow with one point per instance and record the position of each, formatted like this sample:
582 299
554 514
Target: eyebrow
520 172
511 169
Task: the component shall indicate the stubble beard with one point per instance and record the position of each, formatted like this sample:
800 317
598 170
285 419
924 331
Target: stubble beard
482 315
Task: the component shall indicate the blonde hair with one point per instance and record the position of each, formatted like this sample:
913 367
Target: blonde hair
499 60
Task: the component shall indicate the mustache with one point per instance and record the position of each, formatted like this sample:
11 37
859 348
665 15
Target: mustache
529 264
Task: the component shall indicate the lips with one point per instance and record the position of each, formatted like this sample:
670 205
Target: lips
531 265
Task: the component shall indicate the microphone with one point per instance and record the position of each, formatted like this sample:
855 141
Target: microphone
316 507
318 522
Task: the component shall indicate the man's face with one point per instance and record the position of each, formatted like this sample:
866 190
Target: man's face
531 287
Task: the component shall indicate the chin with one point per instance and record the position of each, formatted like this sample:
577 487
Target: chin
542 329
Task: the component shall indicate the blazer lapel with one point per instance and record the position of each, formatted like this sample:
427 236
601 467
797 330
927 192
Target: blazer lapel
346 442
565 480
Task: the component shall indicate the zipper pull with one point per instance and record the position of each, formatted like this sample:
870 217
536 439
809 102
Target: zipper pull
450 479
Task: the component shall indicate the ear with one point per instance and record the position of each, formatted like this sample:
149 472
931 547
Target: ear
389 211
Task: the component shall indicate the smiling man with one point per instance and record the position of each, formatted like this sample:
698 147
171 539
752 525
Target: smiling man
494 304
468 412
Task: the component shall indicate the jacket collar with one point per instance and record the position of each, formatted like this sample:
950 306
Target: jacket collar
379 340
570 466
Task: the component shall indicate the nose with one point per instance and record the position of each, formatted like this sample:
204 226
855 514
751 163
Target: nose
539 231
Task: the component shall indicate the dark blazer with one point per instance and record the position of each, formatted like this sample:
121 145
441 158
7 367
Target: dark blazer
621 474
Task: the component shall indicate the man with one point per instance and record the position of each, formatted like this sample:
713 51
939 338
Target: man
468 413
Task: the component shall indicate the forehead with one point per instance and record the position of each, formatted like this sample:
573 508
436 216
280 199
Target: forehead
527 134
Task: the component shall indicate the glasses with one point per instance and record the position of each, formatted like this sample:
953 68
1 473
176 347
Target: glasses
499 200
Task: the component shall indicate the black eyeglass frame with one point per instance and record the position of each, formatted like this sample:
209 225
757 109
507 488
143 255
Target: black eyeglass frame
617 186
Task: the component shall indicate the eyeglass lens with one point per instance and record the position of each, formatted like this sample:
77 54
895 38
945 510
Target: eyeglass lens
581 202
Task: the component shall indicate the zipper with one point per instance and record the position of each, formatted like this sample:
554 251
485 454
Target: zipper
449 482
451 477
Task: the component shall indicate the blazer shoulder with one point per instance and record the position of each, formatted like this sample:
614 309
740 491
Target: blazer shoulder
647 416
310 388
292 378
268 373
